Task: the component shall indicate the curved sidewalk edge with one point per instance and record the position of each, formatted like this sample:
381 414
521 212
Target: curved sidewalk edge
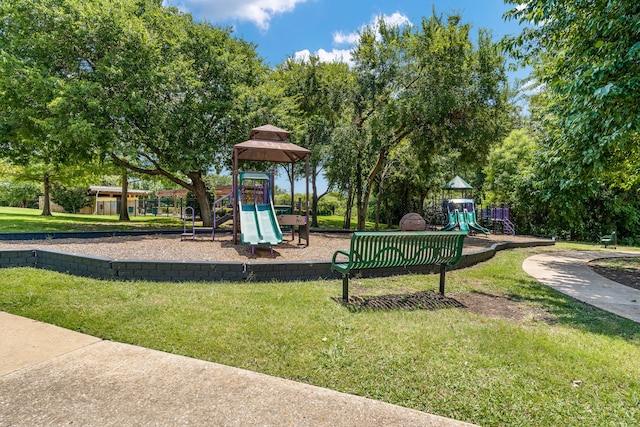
568 273
50 375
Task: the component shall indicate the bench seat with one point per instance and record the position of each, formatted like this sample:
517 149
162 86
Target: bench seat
609 239
370 250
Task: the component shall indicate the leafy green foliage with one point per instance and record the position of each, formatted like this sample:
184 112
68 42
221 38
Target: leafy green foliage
72 199
19 194
428 85
131 80
316 92
509 165
586 56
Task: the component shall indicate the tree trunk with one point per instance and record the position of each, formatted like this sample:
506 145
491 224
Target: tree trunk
387 211
347 213
200 190
378 202
360 216
363 208
423 197
124 198
46 205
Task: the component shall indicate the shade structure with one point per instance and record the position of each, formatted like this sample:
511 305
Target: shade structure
262 150
269 132
269 143
457 183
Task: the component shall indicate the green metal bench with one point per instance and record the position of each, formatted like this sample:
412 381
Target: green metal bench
398 249
609 239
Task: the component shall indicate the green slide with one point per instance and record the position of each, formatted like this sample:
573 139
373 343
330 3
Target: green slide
250 235
268 226
258 225
471 220
258 222
462 221
453 222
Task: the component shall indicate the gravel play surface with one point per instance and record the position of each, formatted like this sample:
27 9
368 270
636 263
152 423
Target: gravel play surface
169 247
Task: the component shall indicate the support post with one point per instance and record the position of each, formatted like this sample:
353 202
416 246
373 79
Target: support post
345 287
234 195
443 269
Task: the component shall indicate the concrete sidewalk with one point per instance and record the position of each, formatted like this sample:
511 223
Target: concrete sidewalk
53 376
568 273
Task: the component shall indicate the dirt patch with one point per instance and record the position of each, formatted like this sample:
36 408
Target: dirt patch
426 300
493 306
625 276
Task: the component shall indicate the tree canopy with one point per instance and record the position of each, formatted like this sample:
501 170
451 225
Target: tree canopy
131 80
587 55
586 60
427 84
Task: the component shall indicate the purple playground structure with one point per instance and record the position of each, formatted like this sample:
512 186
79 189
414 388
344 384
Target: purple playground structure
497 218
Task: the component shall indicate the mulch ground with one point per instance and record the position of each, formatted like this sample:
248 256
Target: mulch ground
626 277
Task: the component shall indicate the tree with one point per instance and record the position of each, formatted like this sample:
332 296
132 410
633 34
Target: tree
509 164
427 84
317 90
587 55
20 194
586 59
72 199
141 84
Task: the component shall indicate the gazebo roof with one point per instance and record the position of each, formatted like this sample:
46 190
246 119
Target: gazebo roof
270 144
457 183
269 132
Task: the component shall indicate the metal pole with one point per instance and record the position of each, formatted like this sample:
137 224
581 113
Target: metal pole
97 197
443 269
234 195
345 288
307 225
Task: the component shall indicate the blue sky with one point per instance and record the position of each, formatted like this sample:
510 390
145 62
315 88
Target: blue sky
282 28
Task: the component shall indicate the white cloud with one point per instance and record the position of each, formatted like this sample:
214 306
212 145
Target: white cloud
341 38
336 55
350 39
395 19
259 12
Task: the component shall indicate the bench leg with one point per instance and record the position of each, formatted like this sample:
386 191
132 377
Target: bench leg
345 288
443 269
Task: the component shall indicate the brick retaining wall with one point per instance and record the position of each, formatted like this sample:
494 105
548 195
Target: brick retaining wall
182 271
17 258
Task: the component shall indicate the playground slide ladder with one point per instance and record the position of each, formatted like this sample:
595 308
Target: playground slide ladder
218 205
185 218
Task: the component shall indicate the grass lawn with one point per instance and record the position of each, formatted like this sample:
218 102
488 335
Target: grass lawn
22 220
333 222
627 264
561 363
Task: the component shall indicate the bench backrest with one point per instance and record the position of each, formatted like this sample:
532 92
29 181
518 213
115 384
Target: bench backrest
394 249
